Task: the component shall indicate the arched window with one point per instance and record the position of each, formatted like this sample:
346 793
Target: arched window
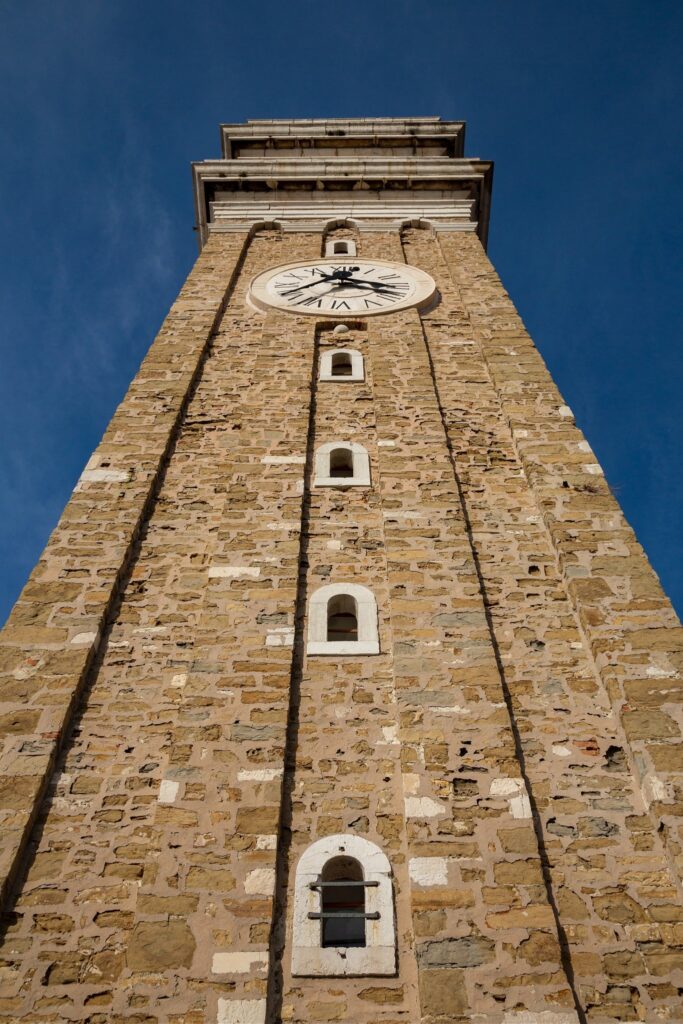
342 464
340 247
343 910
341 365
342 619
342 903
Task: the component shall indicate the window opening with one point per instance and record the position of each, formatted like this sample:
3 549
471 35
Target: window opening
340 247
342 619
342 903
341 462
341 364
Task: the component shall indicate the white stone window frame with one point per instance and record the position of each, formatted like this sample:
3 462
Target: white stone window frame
360 461
366 616
349 248
326 365
378 956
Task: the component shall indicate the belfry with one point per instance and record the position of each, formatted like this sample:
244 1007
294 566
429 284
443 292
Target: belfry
342 691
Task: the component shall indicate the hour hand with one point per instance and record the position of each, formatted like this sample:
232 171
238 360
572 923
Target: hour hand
300 287
375 285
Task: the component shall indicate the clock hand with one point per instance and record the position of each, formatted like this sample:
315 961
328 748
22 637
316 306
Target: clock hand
367 284
323 277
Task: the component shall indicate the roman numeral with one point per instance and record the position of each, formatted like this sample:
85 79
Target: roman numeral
387 277
339 305
369 302
309 301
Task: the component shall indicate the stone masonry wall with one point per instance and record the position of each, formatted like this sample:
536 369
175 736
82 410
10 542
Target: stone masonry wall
170 750
149 891
608 869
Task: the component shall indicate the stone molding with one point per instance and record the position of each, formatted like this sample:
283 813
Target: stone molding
368 636
326 365
308 171
406 130
360 461
378 956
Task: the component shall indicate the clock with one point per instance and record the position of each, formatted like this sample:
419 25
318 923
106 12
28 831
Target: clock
328 287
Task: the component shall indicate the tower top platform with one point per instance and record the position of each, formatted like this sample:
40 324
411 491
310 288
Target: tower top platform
309 173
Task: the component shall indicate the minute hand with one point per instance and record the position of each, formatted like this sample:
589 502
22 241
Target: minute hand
323 277
365 284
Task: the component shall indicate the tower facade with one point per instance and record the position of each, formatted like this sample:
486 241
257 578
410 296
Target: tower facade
342 691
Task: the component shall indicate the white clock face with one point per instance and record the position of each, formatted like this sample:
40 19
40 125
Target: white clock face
329 287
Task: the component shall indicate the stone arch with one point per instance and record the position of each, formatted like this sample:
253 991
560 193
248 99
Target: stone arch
360 461
361 603
378 955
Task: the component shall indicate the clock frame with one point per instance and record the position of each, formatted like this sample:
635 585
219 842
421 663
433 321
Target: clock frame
341 288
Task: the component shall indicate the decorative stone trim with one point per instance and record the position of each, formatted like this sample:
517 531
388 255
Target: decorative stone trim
366 614
340 247
327 361
360 465
378 956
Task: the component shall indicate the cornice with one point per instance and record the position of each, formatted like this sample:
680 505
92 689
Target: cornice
234 181
343 131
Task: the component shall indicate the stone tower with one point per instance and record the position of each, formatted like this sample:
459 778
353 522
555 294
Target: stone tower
342 691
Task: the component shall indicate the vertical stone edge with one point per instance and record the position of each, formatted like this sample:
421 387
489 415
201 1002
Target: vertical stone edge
630 627
51 640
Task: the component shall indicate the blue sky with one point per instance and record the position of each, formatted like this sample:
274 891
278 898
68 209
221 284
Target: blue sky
103 106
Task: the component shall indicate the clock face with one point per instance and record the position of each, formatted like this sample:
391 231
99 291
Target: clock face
328 287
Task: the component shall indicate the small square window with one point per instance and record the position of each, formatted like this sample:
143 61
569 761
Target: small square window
340 247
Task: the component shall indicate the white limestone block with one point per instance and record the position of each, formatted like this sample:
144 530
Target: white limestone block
514 791
390 734
266 842
260 882
282 636
84 638
238 963
654 789
258 774
168 791
428 871
284 460
234 572
241 1011
102 476
423 807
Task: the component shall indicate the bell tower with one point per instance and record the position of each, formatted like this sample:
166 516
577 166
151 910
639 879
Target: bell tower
343 691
